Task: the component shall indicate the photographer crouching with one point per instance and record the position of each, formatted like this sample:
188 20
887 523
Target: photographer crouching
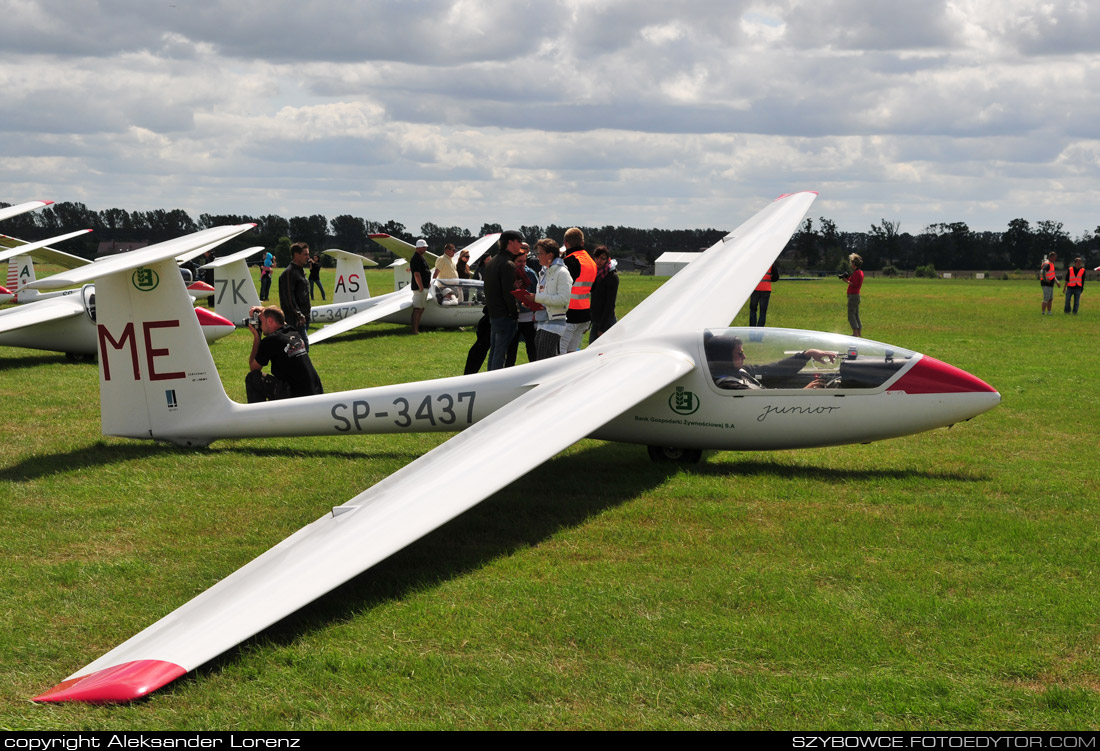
292 372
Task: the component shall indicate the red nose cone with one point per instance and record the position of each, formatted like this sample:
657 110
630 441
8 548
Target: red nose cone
932 376
4 290
200 287
125 682
208 317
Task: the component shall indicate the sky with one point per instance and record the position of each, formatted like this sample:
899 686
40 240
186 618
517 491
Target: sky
689 114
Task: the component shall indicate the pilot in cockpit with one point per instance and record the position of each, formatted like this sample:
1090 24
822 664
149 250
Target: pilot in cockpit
726 356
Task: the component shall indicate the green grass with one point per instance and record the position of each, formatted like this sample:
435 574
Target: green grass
942 581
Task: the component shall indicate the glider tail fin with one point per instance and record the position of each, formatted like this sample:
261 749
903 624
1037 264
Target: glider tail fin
351 281
235 291
156 373
21 272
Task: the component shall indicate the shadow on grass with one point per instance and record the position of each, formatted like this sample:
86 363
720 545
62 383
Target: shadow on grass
102 454
30 361
757 468
561 494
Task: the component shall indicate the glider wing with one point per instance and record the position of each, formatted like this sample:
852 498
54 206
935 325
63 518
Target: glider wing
378 522
13 247
43 311
721 279
380 307
21 208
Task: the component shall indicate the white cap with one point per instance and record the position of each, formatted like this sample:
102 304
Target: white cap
421 243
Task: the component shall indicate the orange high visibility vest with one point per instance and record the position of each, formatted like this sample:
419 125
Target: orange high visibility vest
1075 280
766 283
1050 275
580 295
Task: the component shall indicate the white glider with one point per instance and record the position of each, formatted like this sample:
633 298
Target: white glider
68 323
655 378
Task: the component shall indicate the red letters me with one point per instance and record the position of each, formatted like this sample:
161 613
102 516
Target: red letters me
128 337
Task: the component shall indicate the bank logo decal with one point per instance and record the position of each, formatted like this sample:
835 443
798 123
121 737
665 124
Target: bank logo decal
145 279
683 402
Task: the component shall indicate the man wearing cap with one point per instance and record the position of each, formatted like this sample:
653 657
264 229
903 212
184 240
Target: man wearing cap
421 278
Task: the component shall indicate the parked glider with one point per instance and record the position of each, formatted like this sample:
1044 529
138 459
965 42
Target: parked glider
451 304
236 292
68 323
655 378
19 255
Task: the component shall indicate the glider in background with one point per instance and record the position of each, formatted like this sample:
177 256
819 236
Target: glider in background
236 293
68 323
667 375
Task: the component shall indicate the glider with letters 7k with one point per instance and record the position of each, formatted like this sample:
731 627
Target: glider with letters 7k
658 377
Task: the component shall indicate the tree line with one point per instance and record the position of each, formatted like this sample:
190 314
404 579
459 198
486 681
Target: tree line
816 246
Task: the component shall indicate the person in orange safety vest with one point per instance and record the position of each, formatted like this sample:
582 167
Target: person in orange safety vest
1048 277
583 270
760 297
1075 283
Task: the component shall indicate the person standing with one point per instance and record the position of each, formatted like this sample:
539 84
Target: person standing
445 265
266 267
552 294
605 289
500 278
1075 283
1048 278
421 277
855 284
315 276
294 290
760 298
583 270
526 280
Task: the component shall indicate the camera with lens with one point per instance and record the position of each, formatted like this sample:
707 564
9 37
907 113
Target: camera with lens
253 320
843 274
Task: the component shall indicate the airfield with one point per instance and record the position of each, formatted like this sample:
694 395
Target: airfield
946 580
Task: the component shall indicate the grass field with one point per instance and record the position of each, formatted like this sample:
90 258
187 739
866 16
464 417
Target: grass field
942 581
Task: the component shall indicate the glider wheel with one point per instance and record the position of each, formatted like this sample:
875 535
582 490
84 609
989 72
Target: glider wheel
670 454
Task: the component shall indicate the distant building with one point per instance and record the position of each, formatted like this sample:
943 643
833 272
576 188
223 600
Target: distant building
669 263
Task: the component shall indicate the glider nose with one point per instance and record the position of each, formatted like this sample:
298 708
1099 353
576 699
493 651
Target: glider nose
932 376
214 326
201 287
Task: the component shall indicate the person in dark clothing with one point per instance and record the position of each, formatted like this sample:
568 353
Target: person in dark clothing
292 372
500 277
315 277
294 291
605 289
726 359
421 279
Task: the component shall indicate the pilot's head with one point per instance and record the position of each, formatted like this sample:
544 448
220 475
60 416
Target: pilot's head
724 349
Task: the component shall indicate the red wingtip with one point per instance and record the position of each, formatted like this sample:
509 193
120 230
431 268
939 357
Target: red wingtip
47 203
4 290
377 234
125 682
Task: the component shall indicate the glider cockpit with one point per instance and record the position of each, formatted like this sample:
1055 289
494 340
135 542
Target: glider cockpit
755 359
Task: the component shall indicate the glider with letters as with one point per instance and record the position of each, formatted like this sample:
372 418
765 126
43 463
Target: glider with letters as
660 377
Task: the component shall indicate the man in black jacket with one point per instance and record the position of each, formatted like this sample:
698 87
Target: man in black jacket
294 290
500 280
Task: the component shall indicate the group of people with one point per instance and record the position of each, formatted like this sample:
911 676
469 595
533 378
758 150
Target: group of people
1075 283
573 291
